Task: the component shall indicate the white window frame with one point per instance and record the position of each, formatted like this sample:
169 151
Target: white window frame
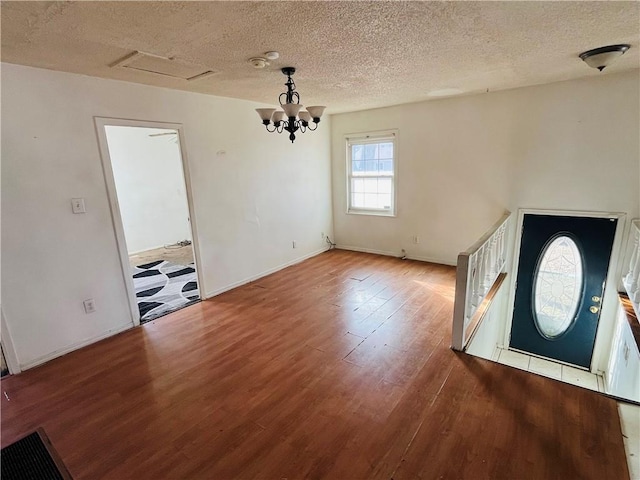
365 138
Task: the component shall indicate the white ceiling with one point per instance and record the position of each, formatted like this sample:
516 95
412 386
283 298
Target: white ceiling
349 55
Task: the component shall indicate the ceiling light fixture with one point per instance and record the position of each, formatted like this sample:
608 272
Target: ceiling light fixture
601 57
297 119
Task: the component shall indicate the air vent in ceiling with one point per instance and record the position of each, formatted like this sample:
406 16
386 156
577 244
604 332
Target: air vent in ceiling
168 67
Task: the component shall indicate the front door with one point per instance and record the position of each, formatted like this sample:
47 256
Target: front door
561 275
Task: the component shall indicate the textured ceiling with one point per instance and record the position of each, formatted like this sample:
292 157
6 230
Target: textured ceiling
349 55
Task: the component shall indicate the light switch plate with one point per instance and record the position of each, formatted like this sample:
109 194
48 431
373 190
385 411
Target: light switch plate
77 205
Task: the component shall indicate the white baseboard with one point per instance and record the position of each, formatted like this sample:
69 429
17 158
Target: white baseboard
74 346
253 278
440 261
368 250
147 249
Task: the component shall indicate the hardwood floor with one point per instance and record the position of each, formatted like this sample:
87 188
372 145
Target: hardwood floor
174 254
338 367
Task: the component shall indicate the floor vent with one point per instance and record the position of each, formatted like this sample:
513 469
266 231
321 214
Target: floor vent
32 457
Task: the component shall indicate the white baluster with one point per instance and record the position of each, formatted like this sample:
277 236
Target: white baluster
470 285
480 275
631 279
489 266
474 281
494 257
500 249
498 267
503 249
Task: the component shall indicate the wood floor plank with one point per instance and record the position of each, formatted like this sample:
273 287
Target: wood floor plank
338 367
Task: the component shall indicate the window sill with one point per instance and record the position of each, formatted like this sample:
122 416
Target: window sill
372 213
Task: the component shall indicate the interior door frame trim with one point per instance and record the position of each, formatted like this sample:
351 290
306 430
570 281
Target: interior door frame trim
609 303
8 348
116 217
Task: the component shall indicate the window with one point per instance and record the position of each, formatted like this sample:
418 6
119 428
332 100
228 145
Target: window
371 168
558 287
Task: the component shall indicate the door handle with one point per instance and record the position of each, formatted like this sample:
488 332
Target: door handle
593 309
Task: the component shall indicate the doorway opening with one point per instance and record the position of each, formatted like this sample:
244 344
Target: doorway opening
151 209
4 369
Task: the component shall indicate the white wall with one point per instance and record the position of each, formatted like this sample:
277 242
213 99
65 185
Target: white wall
485 339
151 191
462 161
253 194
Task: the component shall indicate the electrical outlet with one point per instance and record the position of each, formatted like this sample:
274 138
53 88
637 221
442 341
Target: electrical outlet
294 244
322 235
416 239
89 305
77 205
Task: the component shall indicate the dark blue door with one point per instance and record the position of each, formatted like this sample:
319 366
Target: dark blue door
561 275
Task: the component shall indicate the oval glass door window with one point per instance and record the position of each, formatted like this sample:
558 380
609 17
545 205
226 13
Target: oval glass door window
557 287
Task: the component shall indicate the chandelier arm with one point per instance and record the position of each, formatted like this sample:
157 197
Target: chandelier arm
271 131
315 126
289 97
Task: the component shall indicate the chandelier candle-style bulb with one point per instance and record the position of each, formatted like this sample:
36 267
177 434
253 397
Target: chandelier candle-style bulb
291 118
265 114
305 117
291 109
316 112
278 116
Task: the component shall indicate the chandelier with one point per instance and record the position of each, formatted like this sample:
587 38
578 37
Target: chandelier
292 118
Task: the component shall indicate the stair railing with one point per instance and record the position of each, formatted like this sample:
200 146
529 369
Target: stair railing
477 270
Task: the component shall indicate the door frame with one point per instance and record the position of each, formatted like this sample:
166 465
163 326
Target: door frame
10 355
116 216
609 301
